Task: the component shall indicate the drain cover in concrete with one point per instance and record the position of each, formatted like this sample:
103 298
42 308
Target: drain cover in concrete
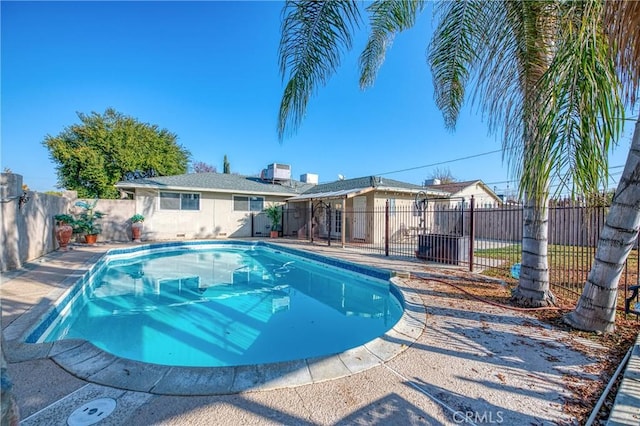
92 412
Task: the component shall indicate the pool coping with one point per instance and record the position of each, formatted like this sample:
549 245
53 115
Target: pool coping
85 361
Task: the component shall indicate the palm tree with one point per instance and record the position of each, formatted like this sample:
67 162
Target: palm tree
545 80
506 47
596 308
541 75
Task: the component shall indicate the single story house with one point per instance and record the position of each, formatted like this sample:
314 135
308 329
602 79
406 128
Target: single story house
217 205
206 205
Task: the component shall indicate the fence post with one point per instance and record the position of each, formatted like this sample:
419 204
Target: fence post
329 231
253 216
285 219
471 232
343 222
311 223
386 228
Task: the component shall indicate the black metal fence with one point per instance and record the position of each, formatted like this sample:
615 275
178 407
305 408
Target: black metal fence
486 240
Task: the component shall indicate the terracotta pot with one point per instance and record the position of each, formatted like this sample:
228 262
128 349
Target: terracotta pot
91 238
63 235
274 234
136 231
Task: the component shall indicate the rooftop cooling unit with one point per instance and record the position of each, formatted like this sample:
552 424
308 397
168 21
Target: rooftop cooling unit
311 178
277 171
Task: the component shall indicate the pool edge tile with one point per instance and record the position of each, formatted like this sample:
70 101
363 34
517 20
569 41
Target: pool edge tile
359 359
189 381
60 346
387 347
128 374
85 360
327 368
270 376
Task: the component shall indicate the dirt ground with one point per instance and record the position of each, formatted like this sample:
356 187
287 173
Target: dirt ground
585 393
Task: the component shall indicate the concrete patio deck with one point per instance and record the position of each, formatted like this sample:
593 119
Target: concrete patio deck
471 364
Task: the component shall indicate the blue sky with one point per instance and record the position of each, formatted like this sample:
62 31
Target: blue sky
208 72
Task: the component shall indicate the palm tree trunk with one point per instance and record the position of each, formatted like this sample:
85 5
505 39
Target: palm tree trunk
533 287
596 309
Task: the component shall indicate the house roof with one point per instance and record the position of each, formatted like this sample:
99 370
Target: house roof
455 187
357 186
294 190
219 182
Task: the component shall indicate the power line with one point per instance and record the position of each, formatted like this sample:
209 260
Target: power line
515 181
440 163
459 159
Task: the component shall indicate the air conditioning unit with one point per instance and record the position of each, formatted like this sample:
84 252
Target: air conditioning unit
311 178
277 171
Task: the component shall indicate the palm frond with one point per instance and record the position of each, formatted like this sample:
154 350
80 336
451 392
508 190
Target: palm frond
580 93
386 19
452 54
314 36
622 21
518 53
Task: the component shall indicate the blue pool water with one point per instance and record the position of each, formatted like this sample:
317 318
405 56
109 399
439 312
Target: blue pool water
225 305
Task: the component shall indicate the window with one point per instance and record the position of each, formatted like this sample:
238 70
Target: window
338 215
190 201
169 201
256 204
179 201
248 204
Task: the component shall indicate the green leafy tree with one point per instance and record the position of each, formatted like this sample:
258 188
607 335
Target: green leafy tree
92 156
542 74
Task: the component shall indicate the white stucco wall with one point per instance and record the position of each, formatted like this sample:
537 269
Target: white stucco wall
215 219
482 198
115 224
28 227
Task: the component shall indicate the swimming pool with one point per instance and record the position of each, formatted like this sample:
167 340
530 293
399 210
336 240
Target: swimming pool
223 304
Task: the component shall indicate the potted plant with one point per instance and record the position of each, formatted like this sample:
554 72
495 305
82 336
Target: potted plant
136 226
85 221
274 213
64 230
